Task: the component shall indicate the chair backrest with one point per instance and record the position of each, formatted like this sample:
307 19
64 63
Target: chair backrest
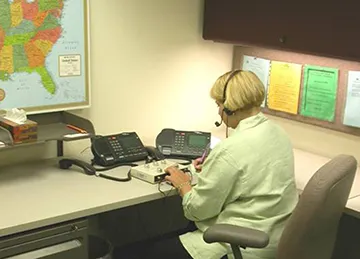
311 230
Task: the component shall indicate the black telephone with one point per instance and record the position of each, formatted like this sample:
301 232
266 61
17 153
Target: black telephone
183 144
112 151
119 148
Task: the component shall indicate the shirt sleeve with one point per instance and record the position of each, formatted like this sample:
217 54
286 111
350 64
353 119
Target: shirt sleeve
215 182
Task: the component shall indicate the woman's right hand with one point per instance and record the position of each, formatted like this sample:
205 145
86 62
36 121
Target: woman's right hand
198 164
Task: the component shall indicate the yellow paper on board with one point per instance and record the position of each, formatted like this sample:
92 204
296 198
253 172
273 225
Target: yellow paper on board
284 86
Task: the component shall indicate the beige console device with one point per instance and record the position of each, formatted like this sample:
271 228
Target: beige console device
154 172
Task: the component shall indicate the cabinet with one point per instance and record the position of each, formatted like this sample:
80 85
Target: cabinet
67 240
63 240
328 28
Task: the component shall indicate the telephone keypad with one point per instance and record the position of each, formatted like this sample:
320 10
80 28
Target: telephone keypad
131 152
117 148
179 141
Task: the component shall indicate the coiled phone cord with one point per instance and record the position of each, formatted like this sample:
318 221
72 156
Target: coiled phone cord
109 177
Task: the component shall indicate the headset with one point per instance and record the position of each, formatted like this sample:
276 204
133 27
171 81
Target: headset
227 111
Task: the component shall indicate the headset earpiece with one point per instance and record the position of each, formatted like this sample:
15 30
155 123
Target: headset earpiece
228 112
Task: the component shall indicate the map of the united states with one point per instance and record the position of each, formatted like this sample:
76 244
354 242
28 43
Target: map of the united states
28 31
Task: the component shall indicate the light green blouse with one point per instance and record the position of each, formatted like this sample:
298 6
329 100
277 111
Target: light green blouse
247 180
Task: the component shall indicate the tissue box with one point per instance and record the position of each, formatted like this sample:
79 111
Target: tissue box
21 133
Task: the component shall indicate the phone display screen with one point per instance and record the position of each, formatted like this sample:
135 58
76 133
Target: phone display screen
197 140
129 142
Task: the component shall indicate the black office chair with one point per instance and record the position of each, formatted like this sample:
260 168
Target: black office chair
311 230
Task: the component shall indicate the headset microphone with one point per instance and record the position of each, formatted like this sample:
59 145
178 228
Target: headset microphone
217 124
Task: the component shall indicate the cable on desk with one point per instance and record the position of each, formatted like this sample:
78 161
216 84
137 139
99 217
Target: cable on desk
106 168
187 161
109 177
162 192
186 171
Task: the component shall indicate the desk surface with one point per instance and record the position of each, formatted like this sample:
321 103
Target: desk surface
353 206
306 164
40 194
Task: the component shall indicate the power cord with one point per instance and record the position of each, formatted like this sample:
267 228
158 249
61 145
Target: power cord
162 192
186 171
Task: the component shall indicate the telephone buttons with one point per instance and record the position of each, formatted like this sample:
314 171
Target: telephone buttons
116 147
180 139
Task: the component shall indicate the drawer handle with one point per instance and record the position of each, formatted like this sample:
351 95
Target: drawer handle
50 250
282 39
74 228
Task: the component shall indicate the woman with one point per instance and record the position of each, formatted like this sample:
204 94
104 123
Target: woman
247 179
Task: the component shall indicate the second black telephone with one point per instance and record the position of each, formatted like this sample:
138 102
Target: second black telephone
183 144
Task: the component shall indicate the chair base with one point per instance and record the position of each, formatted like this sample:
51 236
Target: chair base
236 251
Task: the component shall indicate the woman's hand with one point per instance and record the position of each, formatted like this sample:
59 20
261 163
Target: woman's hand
179 180
198 164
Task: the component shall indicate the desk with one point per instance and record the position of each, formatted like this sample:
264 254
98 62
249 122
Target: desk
40 194
353 206
306 164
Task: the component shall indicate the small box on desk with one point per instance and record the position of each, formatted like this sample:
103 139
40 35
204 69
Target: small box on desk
21 133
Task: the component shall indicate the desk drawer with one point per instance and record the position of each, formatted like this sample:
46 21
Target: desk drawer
67 240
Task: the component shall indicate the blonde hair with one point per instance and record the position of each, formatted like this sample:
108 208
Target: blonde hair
244 90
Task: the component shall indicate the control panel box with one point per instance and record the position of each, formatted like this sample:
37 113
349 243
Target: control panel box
154 172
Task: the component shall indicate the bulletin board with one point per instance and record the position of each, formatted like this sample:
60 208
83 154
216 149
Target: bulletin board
303 59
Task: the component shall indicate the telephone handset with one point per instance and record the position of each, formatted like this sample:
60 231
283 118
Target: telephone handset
181 143
119 148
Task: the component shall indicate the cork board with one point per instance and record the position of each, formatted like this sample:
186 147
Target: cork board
285 56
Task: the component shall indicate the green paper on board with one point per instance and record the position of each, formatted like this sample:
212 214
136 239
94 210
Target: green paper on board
319 92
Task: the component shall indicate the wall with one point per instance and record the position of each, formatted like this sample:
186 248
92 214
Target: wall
154 48
320 141
151 69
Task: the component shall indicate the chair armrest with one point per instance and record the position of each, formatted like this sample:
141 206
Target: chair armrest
235 235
